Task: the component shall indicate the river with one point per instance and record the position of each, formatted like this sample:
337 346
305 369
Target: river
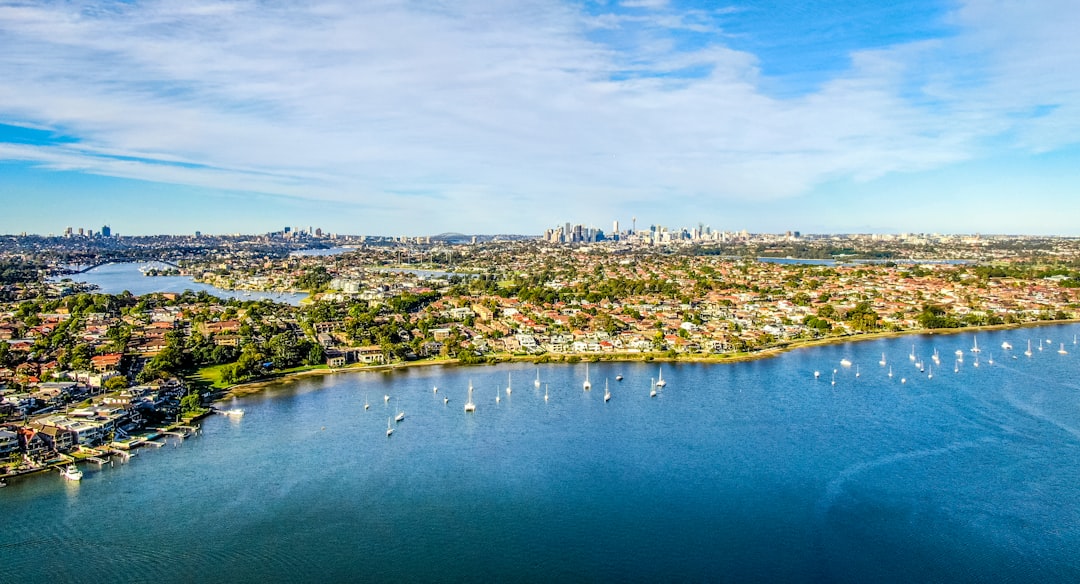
751 471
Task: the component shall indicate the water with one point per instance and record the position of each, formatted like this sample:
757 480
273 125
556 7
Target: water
116 278
744 472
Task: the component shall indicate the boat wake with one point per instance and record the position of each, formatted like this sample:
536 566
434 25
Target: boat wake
835 488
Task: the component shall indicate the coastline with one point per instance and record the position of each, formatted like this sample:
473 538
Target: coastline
257 385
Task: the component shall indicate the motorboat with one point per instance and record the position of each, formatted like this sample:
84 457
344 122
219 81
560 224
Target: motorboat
71 473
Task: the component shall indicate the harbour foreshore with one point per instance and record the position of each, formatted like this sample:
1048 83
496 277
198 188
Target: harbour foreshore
258 385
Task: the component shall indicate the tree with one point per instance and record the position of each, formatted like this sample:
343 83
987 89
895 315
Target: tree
116 383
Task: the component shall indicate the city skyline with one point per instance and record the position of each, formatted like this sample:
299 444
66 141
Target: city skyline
486 117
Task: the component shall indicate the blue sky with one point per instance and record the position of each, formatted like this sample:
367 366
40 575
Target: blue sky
489 116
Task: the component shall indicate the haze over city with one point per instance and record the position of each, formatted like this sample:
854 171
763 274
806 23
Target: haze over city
512 117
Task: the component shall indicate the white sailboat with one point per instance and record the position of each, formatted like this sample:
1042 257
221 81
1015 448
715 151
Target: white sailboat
587 385
469 405
607 392
890 371
1006 346
857 372
817 374
367 404
1062 350
498 398
989 359
834 377
1028 351
956 367
882 362
389 428
508 390
975 346
536 382
911 357
930 372
936 357
845 363
652 387
400 416
386 398
660 380
545 392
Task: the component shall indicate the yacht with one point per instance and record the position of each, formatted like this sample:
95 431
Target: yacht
71 473
845 363
1005 345
234 413
660 380
469 405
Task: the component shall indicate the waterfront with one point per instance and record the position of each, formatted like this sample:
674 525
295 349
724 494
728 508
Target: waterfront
748 471
117 277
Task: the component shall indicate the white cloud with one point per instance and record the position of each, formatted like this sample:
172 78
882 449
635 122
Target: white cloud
476 103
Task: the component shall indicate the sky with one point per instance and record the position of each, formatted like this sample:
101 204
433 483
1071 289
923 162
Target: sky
389 117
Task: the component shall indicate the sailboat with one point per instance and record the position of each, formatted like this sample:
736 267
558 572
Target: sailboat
882 362
367 405
1028 351
587 385
386 398
976 363
469 405
660 380
834 377
1006 346
817 374
930 372
389 428
956 367
607 392
890 371
435 389
936 357
497 397
545 393
1062 350
989 359
508 390
975 346
857 372
1040 344
652 386
400 416
911 357
536 382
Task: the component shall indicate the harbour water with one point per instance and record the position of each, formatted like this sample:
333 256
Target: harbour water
752 471
116 278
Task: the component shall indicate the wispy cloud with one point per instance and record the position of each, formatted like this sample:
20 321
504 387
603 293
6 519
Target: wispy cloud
473 103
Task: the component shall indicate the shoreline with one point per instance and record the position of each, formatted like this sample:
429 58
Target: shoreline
256 386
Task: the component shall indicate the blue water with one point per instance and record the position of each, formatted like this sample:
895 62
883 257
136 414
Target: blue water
743 472
116 278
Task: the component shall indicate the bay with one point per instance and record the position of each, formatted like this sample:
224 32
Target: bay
118 277
741 472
